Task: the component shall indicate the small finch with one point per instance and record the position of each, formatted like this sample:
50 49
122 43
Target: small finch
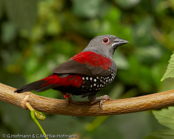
84 74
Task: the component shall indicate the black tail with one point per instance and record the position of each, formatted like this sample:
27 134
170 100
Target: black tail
37 86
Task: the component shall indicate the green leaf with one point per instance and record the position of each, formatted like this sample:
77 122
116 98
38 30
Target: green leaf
161 134
165 117
170 69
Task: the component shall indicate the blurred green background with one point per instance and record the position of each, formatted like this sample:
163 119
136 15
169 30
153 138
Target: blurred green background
38 35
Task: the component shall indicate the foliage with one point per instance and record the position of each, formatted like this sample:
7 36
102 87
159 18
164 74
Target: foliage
165 116
36 36
170 68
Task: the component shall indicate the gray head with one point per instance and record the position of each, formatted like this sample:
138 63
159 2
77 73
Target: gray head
105 45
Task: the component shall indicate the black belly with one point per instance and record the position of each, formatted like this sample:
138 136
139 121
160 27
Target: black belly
90 85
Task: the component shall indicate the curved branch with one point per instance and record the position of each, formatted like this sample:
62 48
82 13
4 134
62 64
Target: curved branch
79 108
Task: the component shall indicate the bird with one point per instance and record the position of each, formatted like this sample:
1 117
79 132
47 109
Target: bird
84 74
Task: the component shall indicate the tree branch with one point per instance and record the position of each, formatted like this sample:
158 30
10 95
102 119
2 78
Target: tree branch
81 108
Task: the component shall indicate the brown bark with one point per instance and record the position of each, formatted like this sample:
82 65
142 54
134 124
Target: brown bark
111 107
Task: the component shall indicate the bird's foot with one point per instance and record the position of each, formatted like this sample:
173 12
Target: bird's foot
68 98
101 98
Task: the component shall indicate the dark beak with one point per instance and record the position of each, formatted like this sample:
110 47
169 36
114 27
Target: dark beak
117 42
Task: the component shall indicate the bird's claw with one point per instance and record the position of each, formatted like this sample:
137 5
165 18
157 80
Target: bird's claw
102 100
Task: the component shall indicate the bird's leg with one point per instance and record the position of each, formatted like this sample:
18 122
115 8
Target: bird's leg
68 98
101 98
91 99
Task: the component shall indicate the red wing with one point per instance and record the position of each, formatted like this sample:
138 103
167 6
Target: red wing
74 67
87 63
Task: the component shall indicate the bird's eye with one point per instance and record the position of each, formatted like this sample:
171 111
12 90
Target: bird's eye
105 40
